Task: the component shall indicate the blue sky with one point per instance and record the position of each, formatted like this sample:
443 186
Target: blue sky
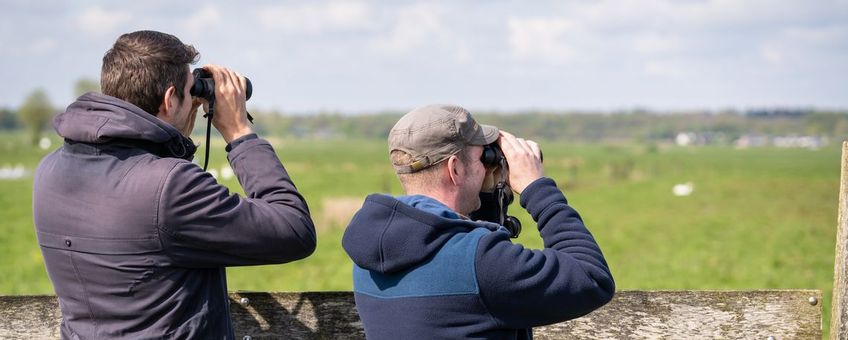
366 56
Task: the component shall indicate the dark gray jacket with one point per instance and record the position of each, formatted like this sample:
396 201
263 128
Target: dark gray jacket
136 239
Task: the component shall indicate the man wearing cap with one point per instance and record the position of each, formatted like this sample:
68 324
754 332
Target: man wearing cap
423 269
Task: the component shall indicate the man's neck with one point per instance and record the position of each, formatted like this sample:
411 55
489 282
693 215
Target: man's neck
451 201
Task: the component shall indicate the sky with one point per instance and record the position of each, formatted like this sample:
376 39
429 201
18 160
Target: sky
373 56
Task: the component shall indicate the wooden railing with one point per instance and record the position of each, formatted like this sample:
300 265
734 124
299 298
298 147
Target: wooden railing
780 314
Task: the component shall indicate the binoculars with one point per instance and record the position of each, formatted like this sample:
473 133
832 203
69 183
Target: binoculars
494 156
494 205
204 85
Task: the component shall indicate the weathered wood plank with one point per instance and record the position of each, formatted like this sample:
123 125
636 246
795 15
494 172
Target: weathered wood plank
839 304
311 315
783 314
29 317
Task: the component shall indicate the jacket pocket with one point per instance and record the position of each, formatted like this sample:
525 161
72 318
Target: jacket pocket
99 245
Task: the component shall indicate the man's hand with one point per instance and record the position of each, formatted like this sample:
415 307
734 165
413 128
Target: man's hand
524 158
230 116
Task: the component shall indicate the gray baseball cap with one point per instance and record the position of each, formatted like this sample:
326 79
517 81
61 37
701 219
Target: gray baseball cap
432 133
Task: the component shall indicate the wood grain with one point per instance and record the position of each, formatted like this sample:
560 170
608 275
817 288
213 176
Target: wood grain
839 310
782 314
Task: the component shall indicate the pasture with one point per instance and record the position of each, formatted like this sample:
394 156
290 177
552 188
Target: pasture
756 218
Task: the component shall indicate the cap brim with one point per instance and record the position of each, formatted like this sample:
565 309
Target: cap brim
487 135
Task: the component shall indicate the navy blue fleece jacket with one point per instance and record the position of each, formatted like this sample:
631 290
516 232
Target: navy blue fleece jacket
421 271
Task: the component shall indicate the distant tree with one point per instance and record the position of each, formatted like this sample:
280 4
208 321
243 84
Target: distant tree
9 119
84 85
36 113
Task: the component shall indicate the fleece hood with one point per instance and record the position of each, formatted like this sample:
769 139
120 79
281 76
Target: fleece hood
388 235
96 118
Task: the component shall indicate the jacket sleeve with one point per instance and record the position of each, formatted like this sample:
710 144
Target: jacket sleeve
568 278
203 225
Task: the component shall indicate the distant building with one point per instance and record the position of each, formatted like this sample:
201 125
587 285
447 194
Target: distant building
806 142
751 141
688 138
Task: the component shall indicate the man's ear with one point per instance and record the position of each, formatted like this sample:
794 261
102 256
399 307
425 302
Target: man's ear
169 104
455 170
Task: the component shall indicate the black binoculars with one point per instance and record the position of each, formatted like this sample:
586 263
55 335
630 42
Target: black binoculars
494 156
204 85
494 205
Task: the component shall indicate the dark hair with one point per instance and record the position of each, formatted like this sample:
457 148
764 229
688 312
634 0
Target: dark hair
143 64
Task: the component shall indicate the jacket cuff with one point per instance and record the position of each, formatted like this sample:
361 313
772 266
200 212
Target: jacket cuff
539 195
233 144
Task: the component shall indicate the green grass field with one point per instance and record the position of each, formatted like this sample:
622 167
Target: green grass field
757 219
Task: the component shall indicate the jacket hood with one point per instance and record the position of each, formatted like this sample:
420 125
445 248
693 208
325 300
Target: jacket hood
97 118
387 235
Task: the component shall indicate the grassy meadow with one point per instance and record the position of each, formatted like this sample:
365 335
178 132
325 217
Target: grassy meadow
760 218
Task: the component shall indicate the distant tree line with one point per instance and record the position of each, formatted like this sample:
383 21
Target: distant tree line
576 127
36 112
9 119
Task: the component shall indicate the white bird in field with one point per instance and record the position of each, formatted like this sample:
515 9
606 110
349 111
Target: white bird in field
683 189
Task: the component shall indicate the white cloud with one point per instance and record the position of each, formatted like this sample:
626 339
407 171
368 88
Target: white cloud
547 39
801 45
316 19
99 21
41 45
822 36
664 69
595 31
607 15
652 43
422 28
36 46
681 14
772 54
201 20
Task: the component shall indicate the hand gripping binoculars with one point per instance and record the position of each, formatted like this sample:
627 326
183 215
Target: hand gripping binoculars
204 87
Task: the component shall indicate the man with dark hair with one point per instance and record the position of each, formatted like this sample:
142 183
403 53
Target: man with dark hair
136 237
423 269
